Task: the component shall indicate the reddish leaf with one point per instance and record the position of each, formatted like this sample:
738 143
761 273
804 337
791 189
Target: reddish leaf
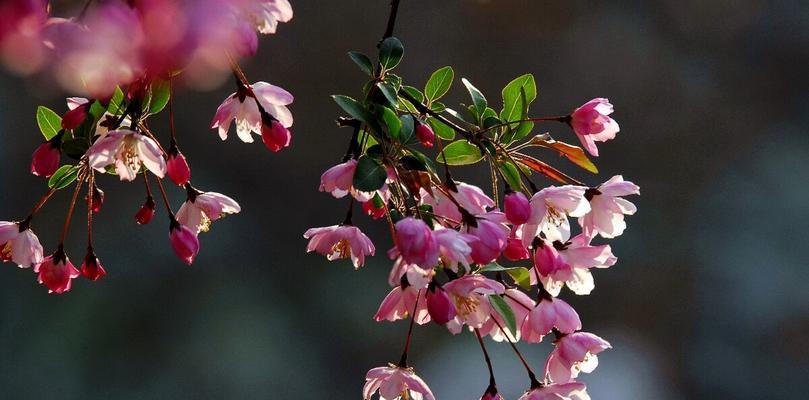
572 153
544 169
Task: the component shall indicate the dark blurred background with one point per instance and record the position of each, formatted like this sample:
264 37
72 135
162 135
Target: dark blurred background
708 300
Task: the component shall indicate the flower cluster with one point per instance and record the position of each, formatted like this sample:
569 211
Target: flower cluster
493 264
117 42
127 56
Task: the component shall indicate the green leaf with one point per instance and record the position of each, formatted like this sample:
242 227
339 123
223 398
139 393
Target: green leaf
505 311
391 121
441 130
517 97
439 83
160 91
512 174
493 267
391 51
414 92
461 152
389 92
438 107
370 175
362 61
407 134
353 108
75 148
116 105
50 123
63 177
521 276
478 99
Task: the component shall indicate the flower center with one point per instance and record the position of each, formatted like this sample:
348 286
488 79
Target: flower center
466 305
342 249
5 252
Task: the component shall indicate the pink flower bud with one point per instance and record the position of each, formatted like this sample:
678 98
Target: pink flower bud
177 167
45 160
275 136
56 272
146 212
184 242
517 208
415 242
91 268
75 117
425 134
440 306
547 259
98 199
515 251
492 239
372 210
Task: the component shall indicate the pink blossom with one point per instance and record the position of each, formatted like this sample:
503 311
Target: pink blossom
339 181
550 208
515 250
46 158
491 394
415 276
439 305
56 272
201 209
592 124
266 14
454 248
243 108
21 25
21 247
177 167
572 267
106 120
102 53
127 150
606 216
425 134
548 314
371 209
520 304
275 136
400 304
574 353
395 383
470 295
184 242
415 243
492 238
517 208
564 391
91 267
340 241
470 197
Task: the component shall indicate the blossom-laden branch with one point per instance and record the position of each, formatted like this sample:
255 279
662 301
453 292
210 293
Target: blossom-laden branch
494 264
127 59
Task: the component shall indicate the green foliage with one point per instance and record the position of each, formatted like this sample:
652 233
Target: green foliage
50 123
370 174
505 311
362 61
439 83
391 51
63 177
461 152
517 97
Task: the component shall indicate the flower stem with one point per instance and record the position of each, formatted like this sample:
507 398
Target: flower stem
165 198
534 382
394 11
403 360
70 211
486 357
90 185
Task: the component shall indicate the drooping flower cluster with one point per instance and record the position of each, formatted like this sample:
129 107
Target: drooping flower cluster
491 264
127 57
